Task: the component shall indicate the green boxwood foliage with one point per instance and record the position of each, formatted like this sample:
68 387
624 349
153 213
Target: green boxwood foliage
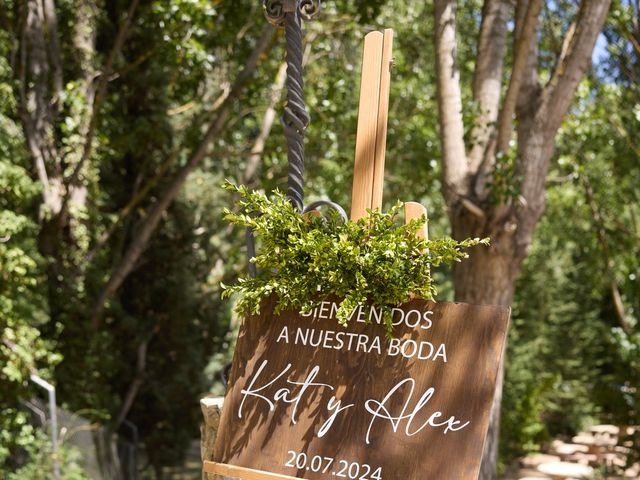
306 258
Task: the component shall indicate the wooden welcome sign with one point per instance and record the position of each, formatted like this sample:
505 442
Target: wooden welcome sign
311 399
308 398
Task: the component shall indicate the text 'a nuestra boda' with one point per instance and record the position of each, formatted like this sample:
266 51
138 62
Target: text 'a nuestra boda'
370 344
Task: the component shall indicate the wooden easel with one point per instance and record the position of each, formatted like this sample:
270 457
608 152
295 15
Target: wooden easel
368 178
371 138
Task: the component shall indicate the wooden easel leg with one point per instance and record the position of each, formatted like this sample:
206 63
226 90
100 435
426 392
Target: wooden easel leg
383 116
413 210
371 135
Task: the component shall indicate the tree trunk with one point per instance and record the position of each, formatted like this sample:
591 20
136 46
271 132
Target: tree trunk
475 207
488 277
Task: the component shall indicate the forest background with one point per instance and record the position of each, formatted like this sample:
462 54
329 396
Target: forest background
120 120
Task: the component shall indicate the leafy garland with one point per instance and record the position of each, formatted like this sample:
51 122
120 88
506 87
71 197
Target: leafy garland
304 259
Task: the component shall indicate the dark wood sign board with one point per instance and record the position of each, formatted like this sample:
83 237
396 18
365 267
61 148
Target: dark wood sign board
310 399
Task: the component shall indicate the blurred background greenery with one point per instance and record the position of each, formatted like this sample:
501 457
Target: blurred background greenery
163 335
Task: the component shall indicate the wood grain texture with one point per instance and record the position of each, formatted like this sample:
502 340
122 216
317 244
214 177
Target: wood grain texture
262 421
383 115
367 125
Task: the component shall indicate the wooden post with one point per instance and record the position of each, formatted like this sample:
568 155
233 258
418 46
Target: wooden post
372 123
383 115
367 125
211 409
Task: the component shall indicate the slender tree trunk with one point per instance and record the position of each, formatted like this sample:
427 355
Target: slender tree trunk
267 123
454 159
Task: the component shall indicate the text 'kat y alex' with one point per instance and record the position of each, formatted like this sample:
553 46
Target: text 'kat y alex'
279 391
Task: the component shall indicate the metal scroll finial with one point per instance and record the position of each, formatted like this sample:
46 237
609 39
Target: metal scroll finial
309 8
275 10
295 118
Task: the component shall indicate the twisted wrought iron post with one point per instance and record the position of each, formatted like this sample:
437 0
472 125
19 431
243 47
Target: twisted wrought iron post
295 119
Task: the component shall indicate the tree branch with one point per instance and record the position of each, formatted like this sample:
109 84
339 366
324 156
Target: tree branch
136 383
454 160
96 97
528 99
521 56
51 23
35 106
574 60
608 256
487 81
148 224
540 118
267 122
84 42
133 202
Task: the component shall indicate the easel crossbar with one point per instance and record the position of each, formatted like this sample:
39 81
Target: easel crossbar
242 472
